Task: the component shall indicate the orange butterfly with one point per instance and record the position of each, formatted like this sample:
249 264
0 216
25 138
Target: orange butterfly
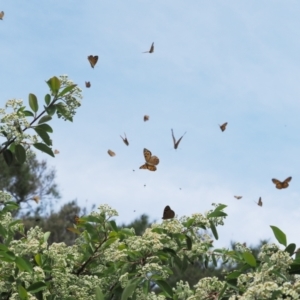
151 161
282 185
174 140
111 153
1 15
168 213
238 197
87 84
93 60
146 118
125 139
223 127
151 49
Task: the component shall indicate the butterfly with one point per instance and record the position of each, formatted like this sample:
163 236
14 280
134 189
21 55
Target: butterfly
1 15
93 60
282 185
174 141
56 151
151 49
259 202
238 197
111 153
87 84
125 140
168 213
151 161
76 219
146 118
223 127
36 199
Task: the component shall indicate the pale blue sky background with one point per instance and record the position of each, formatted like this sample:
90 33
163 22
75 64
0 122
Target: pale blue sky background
214 62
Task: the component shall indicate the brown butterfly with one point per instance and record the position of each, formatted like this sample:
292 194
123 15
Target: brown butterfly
223 127
282 185
151 161
111 153
151 49
146 118
93 60
36 199
174 140
168 213
1 15
76 219
56 151
125 139
87 84
238 197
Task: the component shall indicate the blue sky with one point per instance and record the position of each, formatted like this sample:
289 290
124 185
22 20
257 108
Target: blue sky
214 62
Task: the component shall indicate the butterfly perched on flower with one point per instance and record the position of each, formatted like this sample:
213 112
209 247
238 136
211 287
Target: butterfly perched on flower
282 185
174 140
151 161
87 84
1 15
168 213
151 49
125 139
146 118
111 153
238 197
223 126
93 60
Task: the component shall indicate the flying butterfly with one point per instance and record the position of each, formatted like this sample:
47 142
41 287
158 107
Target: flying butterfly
259 202
282 185
151 161
151 49
87 84
238 197
223 127
36 199
146 118
56 151
93 60
111 153
125 139
168 213
174 140
1 15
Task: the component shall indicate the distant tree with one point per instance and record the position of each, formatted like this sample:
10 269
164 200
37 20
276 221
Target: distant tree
139 224
29 183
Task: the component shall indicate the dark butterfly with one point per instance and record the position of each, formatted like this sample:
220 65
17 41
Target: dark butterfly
93 60
238 197
174 140
168 213
223 127
282 185
146 118
151 49
259 202
87 84
125 140
1 15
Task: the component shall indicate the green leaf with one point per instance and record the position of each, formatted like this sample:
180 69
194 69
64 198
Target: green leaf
164 286
145 287
22 292
7 256
45 127
47 99
128 291
221 207
113 225
50 110
23 264
216 214
36 287
20 153
44 148
280 236
8 157
214 230
28 113
44 136
188 242
44 119
46 236
184 263
61 109
33 103
66 90
249 258
99 294
38 259
290 249
54 84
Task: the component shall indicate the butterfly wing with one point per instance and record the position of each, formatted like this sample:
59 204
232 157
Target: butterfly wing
125 140
87 84
148 167
285 182
223 126
177 143
168 213
238 197
147 154
1 15
259 202
174 140
151 48
93 60
146 118
278 183
111 153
